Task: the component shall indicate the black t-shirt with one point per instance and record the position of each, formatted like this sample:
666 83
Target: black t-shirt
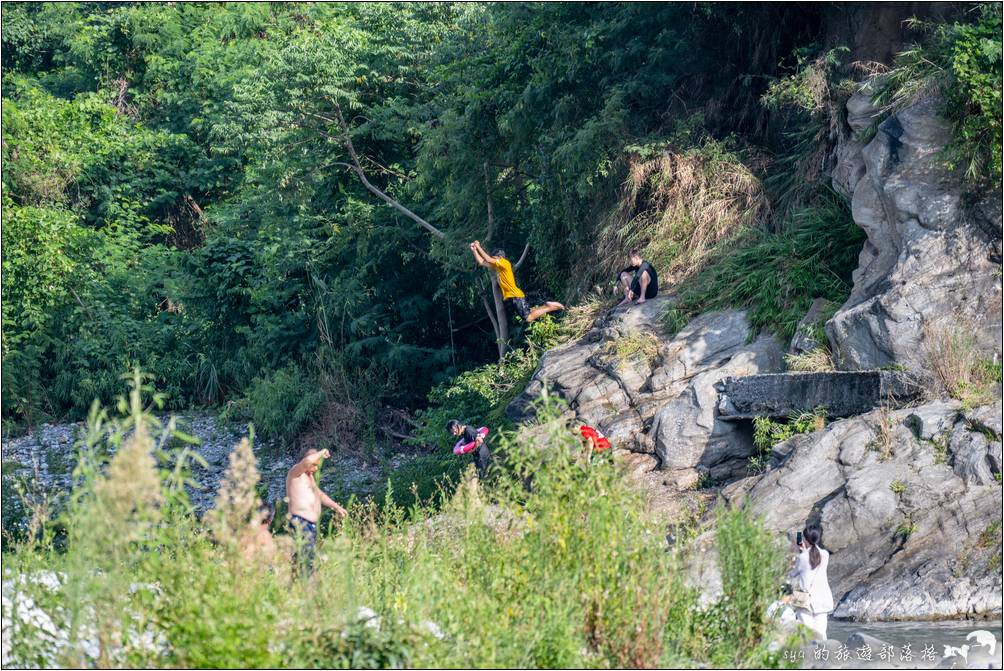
653 284
470 434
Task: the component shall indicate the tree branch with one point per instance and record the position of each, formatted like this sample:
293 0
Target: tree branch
522 257
394 434
347 139
491 317
491 210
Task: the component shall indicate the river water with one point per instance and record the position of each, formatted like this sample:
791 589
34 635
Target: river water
910 645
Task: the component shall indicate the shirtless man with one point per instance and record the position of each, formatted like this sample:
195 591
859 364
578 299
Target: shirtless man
511 293
305 501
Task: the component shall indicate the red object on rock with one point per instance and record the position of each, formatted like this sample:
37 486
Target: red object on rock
599 440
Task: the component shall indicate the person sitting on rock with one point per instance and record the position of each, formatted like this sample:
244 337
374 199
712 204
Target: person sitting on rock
468 434
511 293
639 281
594 441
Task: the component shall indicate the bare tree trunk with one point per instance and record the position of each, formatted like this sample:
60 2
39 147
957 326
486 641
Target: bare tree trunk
493 318
502 331
501 323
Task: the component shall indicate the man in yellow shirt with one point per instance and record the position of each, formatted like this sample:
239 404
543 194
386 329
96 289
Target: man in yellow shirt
511 293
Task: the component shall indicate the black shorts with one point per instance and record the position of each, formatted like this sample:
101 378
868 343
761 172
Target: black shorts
520 306
650 291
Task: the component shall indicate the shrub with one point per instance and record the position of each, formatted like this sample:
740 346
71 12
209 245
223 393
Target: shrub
961 61
767 433
958 367
422 479
776 276
283 404
752 566
480 395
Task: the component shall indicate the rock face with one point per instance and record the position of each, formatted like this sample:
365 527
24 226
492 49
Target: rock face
910 506
842 393
655 394
932 260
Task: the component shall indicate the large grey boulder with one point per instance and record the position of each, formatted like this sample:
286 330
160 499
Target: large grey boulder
655 394
910 506
688 431
932 260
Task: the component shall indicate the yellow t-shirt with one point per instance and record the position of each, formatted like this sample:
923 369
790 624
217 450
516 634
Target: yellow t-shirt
507 282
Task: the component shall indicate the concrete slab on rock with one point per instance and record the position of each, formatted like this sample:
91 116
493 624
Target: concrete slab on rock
843 394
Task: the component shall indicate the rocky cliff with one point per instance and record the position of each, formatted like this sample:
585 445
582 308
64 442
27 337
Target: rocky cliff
910 498
932 260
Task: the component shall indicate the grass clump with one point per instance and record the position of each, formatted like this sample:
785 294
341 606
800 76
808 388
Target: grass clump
568 573
681 198
776 276
897 486
906 529
958 367
637 345
818 360
990 536
582 316
885 436
768 432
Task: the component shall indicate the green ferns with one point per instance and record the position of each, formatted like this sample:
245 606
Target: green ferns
768 432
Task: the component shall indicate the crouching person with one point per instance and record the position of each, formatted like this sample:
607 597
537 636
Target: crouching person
471 440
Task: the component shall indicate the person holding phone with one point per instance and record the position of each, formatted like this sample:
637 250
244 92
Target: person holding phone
810 581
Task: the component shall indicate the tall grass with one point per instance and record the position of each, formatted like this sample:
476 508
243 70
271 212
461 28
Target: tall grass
956 366
676 205
568 572
776 276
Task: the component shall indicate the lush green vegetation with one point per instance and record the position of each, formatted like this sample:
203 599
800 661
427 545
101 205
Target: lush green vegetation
178 191
199 190
570 572
768 432
776 276
962 61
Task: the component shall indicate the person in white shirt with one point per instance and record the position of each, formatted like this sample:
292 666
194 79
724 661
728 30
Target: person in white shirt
809 573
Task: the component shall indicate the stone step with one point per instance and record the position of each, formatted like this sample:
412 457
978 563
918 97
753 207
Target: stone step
843 393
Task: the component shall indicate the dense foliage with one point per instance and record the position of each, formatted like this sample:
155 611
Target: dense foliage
178 193
964 62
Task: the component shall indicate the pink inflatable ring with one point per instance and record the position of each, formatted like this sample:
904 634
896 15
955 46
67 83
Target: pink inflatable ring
463 448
